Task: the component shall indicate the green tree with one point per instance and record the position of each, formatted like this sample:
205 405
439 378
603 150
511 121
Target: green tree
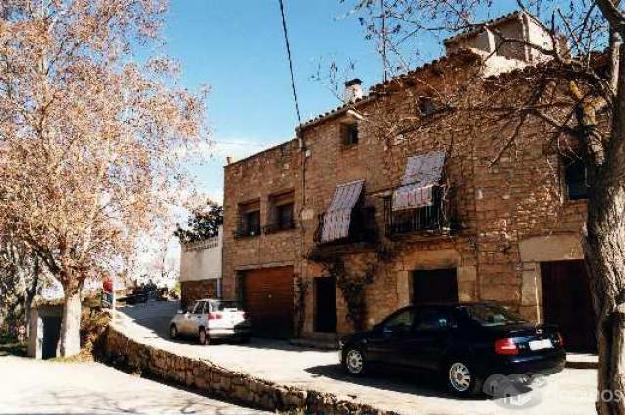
203 223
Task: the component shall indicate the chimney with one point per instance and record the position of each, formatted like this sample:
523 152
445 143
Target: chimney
229 160
353 91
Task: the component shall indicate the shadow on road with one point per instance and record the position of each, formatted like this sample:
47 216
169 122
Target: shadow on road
423 384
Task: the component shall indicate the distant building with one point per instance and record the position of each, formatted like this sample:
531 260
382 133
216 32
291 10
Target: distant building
200 269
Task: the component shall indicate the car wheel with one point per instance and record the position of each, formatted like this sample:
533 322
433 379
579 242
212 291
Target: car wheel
203 337
461 380
173 331
354 361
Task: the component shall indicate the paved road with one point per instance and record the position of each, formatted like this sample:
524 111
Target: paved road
43 387
570 392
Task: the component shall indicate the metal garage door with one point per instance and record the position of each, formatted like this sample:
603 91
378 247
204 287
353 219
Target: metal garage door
269 301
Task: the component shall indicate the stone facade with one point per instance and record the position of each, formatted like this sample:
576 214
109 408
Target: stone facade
220 382
195 290
508 216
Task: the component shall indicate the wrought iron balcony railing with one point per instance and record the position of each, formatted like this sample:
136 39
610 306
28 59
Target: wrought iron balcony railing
278 226
245 231
428 220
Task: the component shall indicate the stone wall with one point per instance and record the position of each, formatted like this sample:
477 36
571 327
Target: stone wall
222 383
195 290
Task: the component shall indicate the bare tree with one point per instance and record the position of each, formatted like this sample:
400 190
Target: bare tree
590 83
88 137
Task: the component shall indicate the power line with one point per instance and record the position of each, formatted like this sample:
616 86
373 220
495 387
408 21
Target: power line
288 51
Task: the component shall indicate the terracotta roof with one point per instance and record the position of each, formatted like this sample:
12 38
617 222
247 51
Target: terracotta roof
374 89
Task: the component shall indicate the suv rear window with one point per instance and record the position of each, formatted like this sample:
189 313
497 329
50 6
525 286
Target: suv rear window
492 315
225 305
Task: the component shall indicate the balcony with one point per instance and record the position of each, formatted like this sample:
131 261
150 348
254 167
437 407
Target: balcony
429 220
362 228
278 227
247 231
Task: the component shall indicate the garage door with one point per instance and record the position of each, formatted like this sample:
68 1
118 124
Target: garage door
269 301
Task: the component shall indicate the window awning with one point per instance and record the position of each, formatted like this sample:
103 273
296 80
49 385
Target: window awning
422 173
338 216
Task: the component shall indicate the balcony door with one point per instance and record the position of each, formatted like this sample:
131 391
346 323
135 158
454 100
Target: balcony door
434 286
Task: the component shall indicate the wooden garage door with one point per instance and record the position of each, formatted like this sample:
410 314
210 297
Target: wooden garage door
269 301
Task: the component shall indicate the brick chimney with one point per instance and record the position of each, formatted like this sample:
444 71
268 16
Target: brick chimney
353 91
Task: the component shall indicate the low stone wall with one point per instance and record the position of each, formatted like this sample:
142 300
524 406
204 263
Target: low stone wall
223 383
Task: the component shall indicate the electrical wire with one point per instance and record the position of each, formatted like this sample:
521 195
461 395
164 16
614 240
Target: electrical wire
288 51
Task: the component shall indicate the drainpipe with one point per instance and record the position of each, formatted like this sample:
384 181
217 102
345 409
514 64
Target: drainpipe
304 157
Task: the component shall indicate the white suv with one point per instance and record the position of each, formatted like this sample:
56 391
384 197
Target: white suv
211 319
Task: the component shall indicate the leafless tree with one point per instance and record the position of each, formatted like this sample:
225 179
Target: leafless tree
88 136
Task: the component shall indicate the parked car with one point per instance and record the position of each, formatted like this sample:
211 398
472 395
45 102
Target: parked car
137 295
464 342
209 319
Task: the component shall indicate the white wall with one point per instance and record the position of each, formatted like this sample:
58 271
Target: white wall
201 260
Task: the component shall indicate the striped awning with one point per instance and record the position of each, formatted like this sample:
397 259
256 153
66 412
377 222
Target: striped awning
422 173
338 216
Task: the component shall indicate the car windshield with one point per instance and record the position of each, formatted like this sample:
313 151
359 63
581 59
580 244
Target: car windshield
225 305
492 315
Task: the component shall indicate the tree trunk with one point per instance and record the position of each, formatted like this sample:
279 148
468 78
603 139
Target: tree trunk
604 248
69 341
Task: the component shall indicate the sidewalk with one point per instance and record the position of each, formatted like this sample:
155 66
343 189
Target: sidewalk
46 387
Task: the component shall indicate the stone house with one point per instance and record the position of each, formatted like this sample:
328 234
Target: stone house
393 198
200 269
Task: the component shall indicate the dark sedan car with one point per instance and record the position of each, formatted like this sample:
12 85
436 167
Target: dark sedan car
464 342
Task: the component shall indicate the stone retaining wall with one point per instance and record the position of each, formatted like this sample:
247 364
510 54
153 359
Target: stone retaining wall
223 383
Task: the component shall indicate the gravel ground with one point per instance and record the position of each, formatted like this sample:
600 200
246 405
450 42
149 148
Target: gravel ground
569 392
47 387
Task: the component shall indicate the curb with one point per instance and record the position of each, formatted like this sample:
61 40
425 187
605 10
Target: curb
122 351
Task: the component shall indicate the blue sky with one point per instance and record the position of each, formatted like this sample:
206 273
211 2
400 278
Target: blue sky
237 48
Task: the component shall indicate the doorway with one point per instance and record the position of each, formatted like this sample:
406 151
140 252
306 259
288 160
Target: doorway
325 304
434 286
51 335
567 302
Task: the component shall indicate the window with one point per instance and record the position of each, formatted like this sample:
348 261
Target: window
249 219
492 315
349 133
576 179
198 308
281 216
426 106
433 319
285 216
401 321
